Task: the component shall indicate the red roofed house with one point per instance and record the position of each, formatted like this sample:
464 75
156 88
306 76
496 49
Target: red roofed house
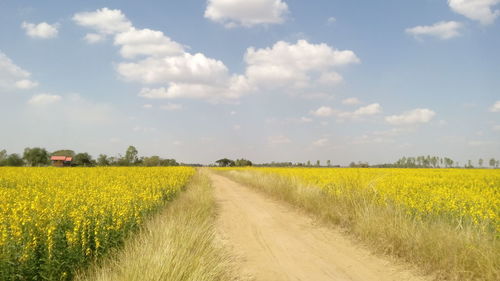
61 161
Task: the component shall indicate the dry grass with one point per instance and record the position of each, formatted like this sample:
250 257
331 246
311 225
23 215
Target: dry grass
446 252
177 244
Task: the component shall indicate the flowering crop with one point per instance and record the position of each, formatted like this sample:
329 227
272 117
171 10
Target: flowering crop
55 219
462 196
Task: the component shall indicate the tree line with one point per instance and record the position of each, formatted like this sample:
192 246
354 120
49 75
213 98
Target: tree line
39 157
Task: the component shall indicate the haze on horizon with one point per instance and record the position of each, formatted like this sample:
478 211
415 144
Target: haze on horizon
267 80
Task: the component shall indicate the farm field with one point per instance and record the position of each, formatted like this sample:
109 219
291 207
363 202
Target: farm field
444 220
460 195
54 220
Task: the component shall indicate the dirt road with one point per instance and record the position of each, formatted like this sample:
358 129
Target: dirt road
271 241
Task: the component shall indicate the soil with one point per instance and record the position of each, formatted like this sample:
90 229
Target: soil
270 240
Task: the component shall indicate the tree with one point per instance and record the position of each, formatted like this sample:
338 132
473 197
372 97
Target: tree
480 162
243 162
103 160
131 155
469 164
14 160
3 157
36 156
318 163
329 163
63 152
308 163
224 162
83 159
492 162
151 161
168 162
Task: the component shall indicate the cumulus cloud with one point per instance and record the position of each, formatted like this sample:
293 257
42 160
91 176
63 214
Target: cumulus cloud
295 65
324 111
330 78
167 70
159 61
186 68
495 107
44 99
371 109
104 21
351 101
416 116
479 10
246 13
136 42
442 30
42 30
93 38
279 139
13 76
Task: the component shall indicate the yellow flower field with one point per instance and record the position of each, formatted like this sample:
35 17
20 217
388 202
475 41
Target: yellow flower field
464 196
54 219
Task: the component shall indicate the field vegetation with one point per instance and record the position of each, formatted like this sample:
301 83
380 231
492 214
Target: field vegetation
446 221
176 245
55 220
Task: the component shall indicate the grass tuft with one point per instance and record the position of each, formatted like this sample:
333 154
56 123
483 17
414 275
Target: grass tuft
177 244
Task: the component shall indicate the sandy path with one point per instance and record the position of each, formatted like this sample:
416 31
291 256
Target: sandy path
273 242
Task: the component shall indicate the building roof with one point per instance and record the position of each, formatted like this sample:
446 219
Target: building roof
61 158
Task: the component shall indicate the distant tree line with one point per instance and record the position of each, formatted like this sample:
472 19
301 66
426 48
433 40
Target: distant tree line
39 157
437 162
225 162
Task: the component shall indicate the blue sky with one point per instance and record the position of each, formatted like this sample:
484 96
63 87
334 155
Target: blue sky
268 80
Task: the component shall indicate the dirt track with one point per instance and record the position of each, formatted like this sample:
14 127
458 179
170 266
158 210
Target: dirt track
271 241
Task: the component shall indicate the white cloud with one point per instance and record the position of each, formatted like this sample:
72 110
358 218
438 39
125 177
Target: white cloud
147 106
371 109
42 30
419 115
105 21
351 101
136 42
13 76
294 65
330 78
246 13
212 93
26 84
479 10
237 127
495 107
496 128
168 71
93 38
279 140
442 30
320 142
324 111
44 99
171 106
331 20
187 68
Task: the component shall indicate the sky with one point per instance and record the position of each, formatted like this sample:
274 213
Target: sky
266 80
